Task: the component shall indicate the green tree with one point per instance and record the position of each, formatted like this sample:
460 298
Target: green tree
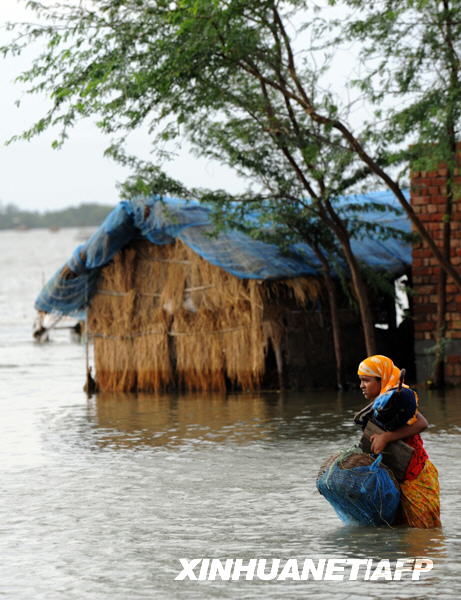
267 143
202 68
413 51
307 208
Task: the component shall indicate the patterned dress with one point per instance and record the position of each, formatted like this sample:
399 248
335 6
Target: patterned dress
419 492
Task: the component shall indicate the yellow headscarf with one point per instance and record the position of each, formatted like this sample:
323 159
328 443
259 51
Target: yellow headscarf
383 367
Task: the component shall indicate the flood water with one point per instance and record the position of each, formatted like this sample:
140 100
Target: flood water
102 497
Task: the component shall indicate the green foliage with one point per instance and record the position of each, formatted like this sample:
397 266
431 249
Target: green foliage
168 65
412 53
146 179
226 74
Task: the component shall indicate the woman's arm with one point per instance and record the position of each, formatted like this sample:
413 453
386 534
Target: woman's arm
380 440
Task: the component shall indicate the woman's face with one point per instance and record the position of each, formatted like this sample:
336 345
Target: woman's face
370 386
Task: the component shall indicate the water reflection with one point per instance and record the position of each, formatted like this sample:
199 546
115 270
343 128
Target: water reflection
128 420
131 420
143 419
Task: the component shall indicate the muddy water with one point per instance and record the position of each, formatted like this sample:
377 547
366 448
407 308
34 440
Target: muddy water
102 497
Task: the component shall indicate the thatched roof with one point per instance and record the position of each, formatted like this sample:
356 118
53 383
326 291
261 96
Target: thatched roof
70 290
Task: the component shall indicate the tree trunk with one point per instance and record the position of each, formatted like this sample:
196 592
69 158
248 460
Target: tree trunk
300 96
360 291
336 330
438 375
335 323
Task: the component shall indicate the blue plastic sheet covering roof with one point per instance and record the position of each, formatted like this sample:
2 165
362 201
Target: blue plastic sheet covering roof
69 291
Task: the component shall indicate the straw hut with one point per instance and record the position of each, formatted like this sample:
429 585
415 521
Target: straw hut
170 305
163 317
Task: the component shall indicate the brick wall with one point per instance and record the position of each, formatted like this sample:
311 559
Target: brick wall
428 195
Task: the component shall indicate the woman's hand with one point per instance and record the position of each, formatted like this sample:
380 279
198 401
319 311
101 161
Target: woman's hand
379 441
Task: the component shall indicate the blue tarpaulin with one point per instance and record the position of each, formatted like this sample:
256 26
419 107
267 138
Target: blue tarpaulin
162 221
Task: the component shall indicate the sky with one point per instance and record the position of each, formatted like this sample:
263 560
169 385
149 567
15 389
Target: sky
33 176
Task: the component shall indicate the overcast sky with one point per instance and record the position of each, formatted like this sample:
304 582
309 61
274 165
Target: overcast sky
34 176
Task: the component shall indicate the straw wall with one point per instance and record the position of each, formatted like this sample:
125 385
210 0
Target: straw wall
164 318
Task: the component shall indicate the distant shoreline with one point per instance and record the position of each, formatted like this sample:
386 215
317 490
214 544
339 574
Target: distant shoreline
84 215
44 228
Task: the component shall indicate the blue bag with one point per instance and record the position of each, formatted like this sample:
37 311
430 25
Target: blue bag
362 495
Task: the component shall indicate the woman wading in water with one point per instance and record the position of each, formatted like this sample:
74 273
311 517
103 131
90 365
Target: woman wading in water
395 410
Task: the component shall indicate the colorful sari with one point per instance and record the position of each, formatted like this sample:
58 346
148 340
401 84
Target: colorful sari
420 499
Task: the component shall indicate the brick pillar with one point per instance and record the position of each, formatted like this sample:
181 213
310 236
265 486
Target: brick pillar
428 195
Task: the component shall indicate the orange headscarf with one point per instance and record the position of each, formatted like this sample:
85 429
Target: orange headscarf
382 367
